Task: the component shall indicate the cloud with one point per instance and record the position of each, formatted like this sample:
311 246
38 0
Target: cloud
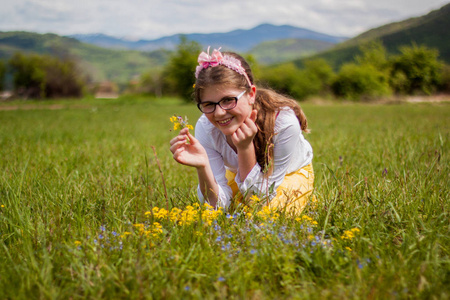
156 18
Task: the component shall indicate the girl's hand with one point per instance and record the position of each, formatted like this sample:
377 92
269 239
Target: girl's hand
190 154
242 138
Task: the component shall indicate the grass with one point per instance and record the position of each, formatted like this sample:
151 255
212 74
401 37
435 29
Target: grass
82 209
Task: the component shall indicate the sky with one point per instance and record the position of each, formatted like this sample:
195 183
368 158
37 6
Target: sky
150 19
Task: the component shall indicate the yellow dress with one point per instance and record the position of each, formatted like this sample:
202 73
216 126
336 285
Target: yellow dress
293 194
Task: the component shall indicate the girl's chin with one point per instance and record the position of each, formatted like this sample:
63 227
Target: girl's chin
229 130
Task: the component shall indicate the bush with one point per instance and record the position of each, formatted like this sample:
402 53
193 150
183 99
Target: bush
45 77
2 75
281 78
445 79
360 81
416 70
287 79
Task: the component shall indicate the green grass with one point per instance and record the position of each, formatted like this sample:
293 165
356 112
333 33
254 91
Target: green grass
74 181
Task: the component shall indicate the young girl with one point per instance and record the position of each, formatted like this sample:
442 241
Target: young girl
247 142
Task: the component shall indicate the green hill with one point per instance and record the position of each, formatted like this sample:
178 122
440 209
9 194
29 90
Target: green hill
98 63
287 50
430 30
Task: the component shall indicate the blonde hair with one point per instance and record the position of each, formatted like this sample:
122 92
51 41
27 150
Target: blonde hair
267 103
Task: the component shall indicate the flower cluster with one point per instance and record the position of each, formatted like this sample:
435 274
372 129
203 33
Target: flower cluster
154 230
306 219
193 213
179 122
349 234
232 234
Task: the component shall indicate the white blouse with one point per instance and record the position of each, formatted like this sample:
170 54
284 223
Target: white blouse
291 152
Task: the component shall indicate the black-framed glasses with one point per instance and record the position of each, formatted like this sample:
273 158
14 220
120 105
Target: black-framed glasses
226 103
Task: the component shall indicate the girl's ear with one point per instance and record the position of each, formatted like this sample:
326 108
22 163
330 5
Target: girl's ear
252 95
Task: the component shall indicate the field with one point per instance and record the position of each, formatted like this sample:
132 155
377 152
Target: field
93 206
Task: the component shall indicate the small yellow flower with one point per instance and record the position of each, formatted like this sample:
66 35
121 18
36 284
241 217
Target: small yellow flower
3 206
254 198
179 122
349 249
77 243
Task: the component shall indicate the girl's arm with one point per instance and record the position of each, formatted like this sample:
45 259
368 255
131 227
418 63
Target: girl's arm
193 154
291 152
242 138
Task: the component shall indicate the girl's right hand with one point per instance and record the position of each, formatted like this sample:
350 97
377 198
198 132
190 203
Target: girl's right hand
189 153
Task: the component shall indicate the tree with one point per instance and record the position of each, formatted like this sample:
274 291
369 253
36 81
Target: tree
181 68
416 70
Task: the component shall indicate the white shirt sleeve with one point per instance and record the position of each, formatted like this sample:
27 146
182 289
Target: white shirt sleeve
217 165
291 152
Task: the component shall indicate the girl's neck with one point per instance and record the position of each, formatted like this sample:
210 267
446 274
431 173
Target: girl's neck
230 143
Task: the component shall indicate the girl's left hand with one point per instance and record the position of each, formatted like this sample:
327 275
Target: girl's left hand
242 138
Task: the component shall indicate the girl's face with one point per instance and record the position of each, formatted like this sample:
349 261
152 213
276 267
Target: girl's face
228 121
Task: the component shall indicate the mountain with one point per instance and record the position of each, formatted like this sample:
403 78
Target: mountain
237 40
98 63
431 30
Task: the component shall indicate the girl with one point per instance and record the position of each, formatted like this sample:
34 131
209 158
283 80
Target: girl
247 142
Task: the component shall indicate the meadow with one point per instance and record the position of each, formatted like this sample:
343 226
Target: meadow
93 206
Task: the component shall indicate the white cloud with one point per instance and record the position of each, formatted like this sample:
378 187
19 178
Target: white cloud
155 18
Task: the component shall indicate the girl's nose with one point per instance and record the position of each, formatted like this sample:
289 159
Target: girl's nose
219 111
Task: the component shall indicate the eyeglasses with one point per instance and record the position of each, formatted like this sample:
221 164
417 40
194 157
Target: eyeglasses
226 103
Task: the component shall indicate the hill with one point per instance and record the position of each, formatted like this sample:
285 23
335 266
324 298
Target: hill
237 40
287 50
430 30
98 63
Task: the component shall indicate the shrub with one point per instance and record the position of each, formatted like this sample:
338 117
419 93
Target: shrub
416 70
360 81
445 79
2 75
45 77
281 78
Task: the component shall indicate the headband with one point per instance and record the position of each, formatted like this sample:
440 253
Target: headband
216 58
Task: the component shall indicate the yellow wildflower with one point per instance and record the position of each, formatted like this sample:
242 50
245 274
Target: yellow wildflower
175 214
77 243
349 249
349 234
254 198
179 122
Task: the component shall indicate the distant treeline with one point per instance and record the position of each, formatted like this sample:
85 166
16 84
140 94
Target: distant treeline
372 74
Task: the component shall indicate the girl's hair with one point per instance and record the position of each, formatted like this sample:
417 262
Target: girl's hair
267 103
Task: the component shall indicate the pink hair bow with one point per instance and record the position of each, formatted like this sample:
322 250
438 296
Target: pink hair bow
214 60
